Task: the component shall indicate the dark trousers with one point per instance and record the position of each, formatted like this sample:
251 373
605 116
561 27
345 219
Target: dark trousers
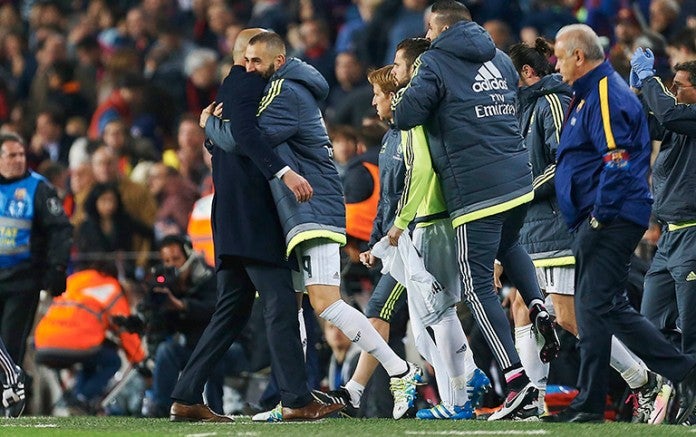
170 358
237 282
479 244
17 311
602 309
669 295
96 372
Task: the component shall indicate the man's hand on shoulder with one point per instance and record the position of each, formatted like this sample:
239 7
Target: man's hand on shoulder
298 185
209 110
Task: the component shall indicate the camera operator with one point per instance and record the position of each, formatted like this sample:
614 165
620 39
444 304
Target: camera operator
81 327
181 301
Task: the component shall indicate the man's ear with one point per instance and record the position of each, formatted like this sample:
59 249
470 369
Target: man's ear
279 61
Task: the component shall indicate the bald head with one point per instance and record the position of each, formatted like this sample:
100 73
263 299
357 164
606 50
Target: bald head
242 42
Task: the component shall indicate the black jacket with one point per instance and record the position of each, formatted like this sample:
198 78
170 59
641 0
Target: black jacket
244 217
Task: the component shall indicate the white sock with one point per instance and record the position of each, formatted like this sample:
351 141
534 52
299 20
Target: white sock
536 301
527 348
631 368
303 332
443 386
356 391
460 396
359 330
452 344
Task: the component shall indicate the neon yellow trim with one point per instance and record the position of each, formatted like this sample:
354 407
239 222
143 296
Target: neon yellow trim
555 262
492 210
273 92
311 235
606 118
388 308
678 226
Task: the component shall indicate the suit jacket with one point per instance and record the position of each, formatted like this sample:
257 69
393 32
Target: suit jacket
244 217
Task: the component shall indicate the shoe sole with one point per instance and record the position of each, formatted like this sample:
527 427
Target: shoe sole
552 346
658 415
175 418
519 400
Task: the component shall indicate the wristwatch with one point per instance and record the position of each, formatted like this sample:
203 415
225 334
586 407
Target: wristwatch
595 224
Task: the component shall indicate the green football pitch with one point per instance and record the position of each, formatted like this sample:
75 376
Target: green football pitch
131 427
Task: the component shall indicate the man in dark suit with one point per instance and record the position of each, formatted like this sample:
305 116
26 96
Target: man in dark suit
249 251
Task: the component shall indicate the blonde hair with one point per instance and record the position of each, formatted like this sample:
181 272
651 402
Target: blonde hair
384 79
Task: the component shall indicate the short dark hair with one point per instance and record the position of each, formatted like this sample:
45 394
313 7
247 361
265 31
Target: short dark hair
272 40
450 12
412 48
181 240
689 67
536 57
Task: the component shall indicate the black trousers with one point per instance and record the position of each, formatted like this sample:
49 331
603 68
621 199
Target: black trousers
669 296
17 312
237 281
602 309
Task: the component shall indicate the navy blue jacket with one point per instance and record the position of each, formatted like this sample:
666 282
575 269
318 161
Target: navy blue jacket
392 174
604 155
673 178
291 122
244 217
464 93
289 115
541 110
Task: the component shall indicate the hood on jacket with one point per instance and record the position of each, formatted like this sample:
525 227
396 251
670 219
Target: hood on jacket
299 71
549 84
466 40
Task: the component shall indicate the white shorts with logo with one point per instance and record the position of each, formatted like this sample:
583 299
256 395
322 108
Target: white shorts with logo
320 264
557 280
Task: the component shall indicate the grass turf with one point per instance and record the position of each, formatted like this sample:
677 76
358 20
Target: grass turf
132 427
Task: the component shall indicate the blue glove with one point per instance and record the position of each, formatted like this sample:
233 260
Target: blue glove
642 63
634 81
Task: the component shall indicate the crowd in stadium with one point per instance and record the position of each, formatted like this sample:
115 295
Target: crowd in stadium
108 102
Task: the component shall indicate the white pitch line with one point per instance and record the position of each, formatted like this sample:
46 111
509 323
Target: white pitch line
208 434
480 432
26 425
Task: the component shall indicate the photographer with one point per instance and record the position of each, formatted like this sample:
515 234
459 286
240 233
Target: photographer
177 309
80 327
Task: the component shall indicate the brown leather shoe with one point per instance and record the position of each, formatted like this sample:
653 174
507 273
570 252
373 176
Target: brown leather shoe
312 411
195 413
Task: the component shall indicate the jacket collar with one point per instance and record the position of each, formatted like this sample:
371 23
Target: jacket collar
587 82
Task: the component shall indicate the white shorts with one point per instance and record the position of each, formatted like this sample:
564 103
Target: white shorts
557 280
320 264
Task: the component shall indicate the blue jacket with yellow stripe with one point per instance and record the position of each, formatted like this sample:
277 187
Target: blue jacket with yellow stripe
604 154
464 93
289 115
542 107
